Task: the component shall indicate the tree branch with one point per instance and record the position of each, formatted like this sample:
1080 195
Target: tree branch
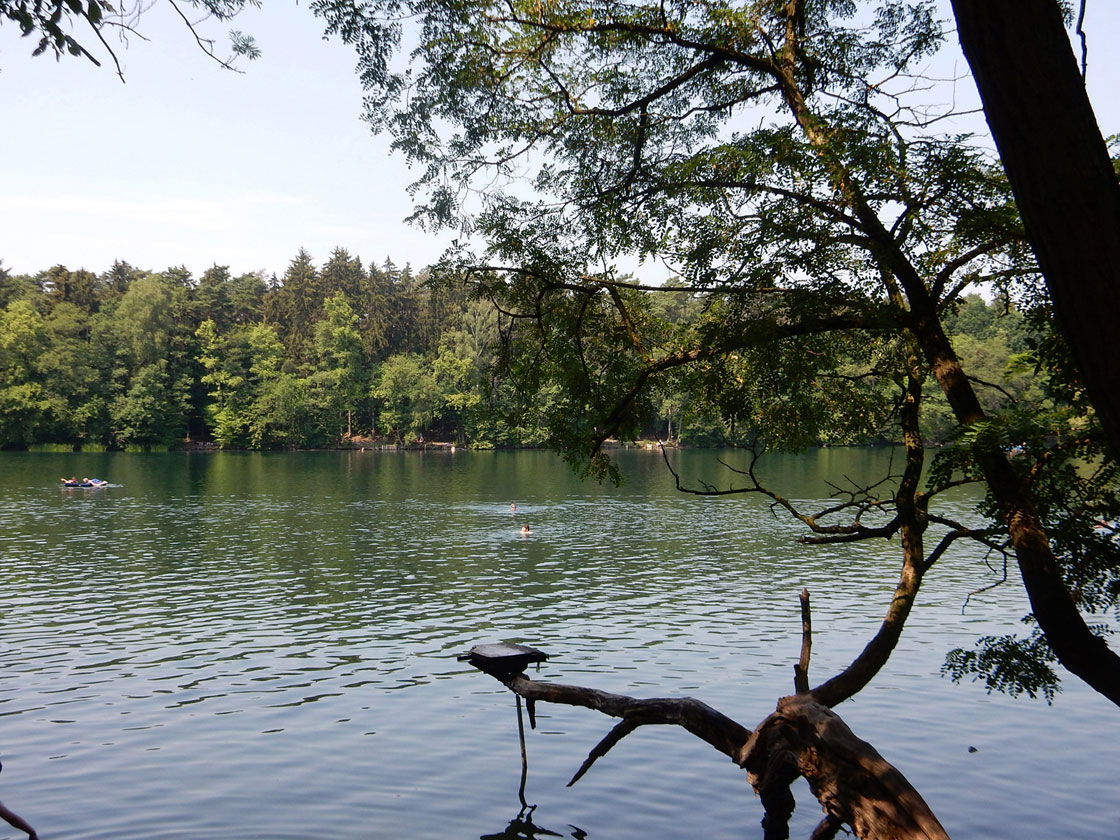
852 781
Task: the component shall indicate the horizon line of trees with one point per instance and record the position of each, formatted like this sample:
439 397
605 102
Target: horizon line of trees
326 355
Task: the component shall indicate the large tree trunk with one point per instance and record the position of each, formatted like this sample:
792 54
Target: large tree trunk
1081 651
1058 165
854 784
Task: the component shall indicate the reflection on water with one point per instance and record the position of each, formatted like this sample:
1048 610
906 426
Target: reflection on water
522 827
263 646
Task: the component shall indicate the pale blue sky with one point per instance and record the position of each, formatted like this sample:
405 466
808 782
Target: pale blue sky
189 164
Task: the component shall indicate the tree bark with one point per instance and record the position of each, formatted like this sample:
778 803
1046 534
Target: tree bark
1059 169
1080 651
854 784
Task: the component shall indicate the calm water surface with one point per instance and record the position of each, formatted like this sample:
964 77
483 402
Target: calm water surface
263 646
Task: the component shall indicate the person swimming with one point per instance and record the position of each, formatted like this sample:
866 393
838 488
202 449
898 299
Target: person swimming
525 529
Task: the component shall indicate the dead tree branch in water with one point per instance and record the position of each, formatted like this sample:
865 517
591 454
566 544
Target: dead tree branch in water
854 784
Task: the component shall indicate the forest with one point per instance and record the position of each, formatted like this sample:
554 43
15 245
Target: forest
345 354
848 268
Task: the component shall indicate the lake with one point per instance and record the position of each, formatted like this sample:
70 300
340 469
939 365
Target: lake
263 646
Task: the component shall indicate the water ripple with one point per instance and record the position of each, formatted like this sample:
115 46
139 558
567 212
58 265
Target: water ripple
264 647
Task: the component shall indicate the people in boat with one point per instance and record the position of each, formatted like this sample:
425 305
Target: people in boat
16 821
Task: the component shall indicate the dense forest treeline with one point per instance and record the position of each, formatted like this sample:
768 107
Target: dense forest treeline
326 356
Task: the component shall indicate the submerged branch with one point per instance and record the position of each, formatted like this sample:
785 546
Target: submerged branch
853 783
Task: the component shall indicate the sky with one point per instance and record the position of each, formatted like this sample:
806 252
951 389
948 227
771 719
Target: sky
189 164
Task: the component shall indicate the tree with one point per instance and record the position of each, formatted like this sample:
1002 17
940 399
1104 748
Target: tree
1061 172
775 156
24 408
463 367
76 373
277 415
398 295
152 409
226 361
213 297
81 288
408 394
13 287
118 278
151 330
342 373
144 322
343 274
283 414
296 305
246 298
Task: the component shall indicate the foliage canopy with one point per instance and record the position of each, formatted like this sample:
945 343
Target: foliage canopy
784 161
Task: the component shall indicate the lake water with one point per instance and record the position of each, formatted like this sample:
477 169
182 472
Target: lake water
264 646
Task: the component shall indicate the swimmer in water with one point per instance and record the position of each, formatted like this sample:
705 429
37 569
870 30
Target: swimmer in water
525 529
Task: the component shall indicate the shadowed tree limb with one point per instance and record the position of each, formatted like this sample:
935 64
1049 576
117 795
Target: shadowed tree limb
910 519
854 784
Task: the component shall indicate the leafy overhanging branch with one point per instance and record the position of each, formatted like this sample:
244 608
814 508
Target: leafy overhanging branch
884 212
50 20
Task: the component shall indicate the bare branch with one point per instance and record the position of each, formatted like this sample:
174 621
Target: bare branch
822 534
1080 29
707 724
205 44
620 731
1002 580
995 387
